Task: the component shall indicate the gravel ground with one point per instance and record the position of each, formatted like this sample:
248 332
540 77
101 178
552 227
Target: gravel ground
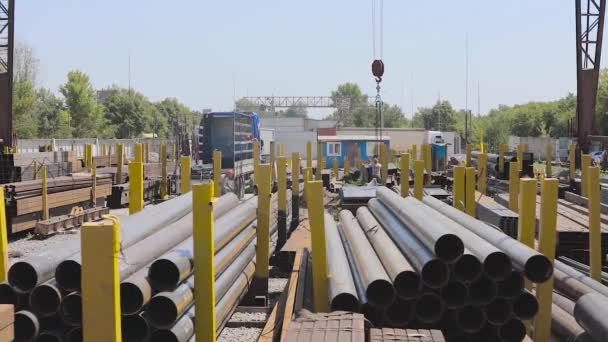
239 334
24 245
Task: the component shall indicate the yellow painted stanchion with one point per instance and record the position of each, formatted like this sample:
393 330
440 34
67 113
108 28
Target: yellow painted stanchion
546 246
94 184
5 150
45 203
320 165
281 152
217 173
520 155
89 156
306 175
147 152
164 191
469 191
414 153
184 185
334 167
316 218
501 158
595 230
482 171
256 160
429 164
139 154
15 149
418 179
384 163
548 167
295 171
136 187
281 201
308 154
526 148
405 174
85 156
585 163
104 150
100 248
272 162
260 281
514 186
3 239
458 192
35 167
109 157
204 273
346 167
469 150
572 160
527 211
119 164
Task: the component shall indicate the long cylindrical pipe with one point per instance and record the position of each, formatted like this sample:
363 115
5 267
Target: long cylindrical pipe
483 290
405 280
27 326
46 298
26 274
512 286
525 306
512 331
379 289
135 328
582 278
74 335
428 308
365 307
454 294
565 328
570 286
434 272
434 234
498 311
496 264
144 251
71 309
470 318
564 303
400 312
176 265
468 268
590 312
537 267
342 291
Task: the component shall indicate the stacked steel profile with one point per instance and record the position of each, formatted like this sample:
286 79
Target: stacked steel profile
155 269
424 264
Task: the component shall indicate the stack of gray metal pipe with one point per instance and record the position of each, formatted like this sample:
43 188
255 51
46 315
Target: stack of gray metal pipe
424 264
52 308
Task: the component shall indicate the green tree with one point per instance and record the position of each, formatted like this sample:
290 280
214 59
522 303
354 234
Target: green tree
24 107
53 119
296 112
440 117
179 117
355 111
126 111
81 102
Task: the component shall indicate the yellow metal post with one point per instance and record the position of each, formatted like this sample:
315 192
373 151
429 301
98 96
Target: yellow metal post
526 148
418 179
316 218
459 189
469 192
405 174
15 149
501 158
109 159
281 201
481 144
527 211
520 155
546 246
272 162
147 152
263 230
184 186
104 150
35 167
94 184
164 193
5 150
319 160
514 186
548 167
572 160
295 172
346 167
334 167
3 239
308 154
595 230
482 165
85 156
383 162
585 163
424 156
136 187
281 150
204 273
414 153
45 203
306 175
89 155
119 163
469 150
100 248
256 160
217 172
139 154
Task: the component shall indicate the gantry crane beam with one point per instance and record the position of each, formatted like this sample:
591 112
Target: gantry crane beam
7 34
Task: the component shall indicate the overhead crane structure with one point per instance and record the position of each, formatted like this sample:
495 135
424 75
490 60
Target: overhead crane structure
7 34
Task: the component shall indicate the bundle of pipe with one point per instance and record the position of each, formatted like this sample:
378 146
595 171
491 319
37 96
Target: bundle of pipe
410 264
47 302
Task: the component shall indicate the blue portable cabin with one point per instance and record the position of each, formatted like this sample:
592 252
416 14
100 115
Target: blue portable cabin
351 147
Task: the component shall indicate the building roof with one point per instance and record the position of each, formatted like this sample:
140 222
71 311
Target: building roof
352 138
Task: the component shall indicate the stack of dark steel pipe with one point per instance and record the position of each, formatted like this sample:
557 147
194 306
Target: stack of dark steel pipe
156 256
424 264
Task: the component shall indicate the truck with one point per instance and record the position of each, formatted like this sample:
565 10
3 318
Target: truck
232 133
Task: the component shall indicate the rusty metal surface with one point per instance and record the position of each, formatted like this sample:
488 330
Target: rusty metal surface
405 335
338 326
60 223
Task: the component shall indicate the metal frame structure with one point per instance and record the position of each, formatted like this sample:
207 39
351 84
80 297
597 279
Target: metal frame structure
589 35
7 34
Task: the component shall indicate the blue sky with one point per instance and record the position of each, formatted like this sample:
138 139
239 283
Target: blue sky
519 50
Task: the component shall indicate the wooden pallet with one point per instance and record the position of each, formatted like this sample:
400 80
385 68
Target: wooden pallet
61 223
